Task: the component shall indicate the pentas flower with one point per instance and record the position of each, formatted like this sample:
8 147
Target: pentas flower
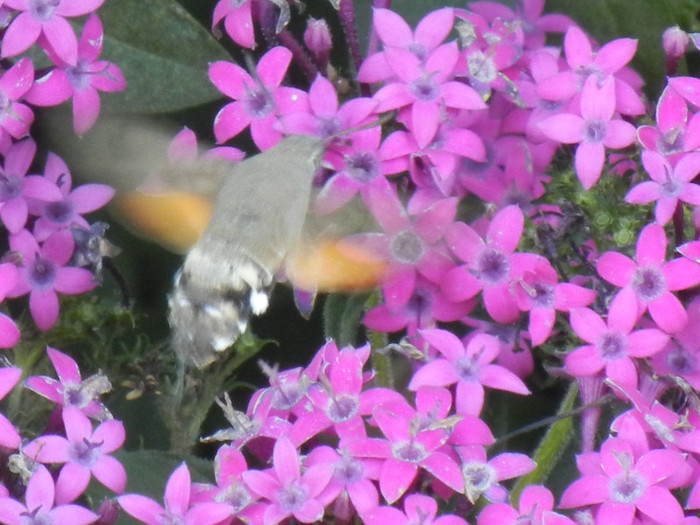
434 166
411 245
15 117
44 273
612 342
418 508
39 506
238 21
469 367
178 507
676 131
17 189
608 62
9 436
258 105
71 389
229 466
338 399
534 507
669 184
290 491
679 358
482 476
326 118
45 18
9 333
651 279
393 31
81 80
538 291
60 214
490 263
350 489
593 130
425 89
624 486
427 306
358 166
528 15
408 447
84 452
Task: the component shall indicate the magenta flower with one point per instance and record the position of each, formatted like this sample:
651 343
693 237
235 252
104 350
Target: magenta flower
44 272
60 214
411 244
17 189
9 436
407 449
70 389
669 184
612 343
608 61
418 508
178 507
325 117
350 487
623 485
427 305
676 130
9 333
470 368
15 117
425 89
651 279
358 167
490 263
84 452
289 491
593 130
81 79
39 505
393 31
338 399
482 475
538 292
257 105
45 18
534 506
238 21
229 465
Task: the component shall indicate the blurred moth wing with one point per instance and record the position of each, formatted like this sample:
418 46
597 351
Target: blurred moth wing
243 226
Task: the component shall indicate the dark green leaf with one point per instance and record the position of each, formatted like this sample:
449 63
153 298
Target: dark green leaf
342 314
164 54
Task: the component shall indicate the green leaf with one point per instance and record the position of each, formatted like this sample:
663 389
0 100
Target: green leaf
164 54
342 314
551 448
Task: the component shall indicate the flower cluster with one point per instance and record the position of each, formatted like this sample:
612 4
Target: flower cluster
41 212
54 469
469 302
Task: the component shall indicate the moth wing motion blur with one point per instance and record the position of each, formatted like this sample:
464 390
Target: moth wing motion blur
243 226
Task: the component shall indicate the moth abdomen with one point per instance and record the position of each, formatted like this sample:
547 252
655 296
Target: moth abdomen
211 304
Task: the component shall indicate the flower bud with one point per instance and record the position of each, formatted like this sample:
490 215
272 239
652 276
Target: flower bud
317 38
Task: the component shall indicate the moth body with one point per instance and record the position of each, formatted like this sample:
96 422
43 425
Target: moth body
257 220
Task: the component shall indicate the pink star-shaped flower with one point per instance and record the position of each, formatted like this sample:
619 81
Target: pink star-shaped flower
83 452
669 184
651 279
